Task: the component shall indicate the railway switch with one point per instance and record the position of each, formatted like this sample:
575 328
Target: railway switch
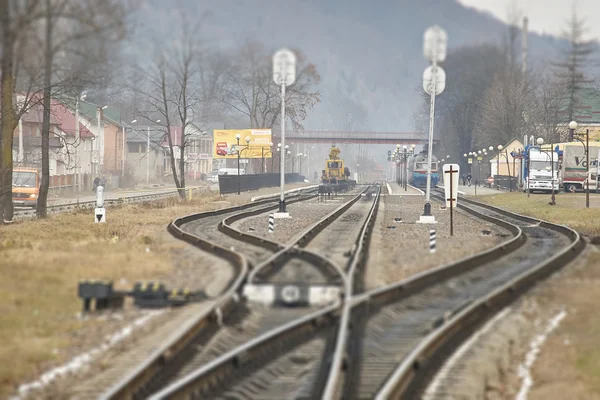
145 295
101 293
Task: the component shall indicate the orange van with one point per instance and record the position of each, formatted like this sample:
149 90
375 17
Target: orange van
26 187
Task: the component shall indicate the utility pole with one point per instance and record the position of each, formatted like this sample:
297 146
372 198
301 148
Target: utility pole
524 47
434 83
284 74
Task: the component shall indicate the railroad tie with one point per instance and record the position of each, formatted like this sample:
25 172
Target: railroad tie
432 241
271 223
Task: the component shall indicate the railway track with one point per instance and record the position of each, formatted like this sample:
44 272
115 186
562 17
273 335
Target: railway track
89 205
200 328
401 333
385 343
289 359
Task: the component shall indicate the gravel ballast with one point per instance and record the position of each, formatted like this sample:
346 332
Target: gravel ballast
400 249
303 215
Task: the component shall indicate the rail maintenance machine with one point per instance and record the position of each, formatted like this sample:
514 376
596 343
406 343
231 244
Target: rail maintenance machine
335 177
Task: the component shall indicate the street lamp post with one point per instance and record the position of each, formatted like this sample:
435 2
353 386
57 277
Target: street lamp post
148 153
262 150
479 159
540 142
399 167
237 149
284 74
572 127
498 166
405 167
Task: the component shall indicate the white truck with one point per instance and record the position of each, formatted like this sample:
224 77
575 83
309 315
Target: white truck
539 174
573 168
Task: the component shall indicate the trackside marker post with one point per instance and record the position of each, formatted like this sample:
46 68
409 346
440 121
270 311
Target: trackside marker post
100 211
271 223
451 190
432 243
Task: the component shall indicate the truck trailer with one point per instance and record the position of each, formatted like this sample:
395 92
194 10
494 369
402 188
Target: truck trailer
573 165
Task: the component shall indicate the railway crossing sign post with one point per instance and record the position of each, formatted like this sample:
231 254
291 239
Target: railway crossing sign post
451 190
284 74
100 211
434 82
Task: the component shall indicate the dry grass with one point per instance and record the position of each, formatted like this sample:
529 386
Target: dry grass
569 364
569 209
41 262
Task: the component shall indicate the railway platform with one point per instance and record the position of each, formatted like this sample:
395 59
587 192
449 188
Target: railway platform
396 190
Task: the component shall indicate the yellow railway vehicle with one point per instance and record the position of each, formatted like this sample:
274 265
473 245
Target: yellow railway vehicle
335 172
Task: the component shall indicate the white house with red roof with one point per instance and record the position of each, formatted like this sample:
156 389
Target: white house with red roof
198 149
27 143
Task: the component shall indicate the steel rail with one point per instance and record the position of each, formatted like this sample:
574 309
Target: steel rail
358 303
59 208
358 258
417 367
177 342
203 380
296 247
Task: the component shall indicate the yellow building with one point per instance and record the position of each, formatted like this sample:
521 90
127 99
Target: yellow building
507 164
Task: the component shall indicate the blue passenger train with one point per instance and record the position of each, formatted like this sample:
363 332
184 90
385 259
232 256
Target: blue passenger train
417 170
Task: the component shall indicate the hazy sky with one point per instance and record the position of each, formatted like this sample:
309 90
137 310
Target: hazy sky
545 16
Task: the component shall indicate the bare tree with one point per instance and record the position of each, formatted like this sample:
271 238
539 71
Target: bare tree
16 21
251 91
570 69
174 93
470 72
68 22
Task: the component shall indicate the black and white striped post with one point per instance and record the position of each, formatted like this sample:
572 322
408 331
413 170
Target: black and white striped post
271 223
432 241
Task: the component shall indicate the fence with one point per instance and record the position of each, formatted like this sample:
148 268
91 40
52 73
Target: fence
505 182
229 183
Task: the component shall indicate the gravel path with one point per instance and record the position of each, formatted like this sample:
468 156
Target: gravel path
303 215
401 249
340 236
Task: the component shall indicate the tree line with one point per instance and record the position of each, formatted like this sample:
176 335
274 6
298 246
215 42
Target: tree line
63 48
490 98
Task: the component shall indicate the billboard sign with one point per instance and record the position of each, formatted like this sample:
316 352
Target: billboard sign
225 144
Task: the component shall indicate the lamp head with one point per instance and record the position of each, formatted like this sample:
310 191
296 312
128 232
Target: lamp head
238 136
572 125
491 148
540 141
499 147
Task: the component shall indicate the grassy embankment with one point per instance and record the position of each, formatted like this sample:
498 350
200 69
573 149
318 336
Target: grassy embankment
569 365
41 262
